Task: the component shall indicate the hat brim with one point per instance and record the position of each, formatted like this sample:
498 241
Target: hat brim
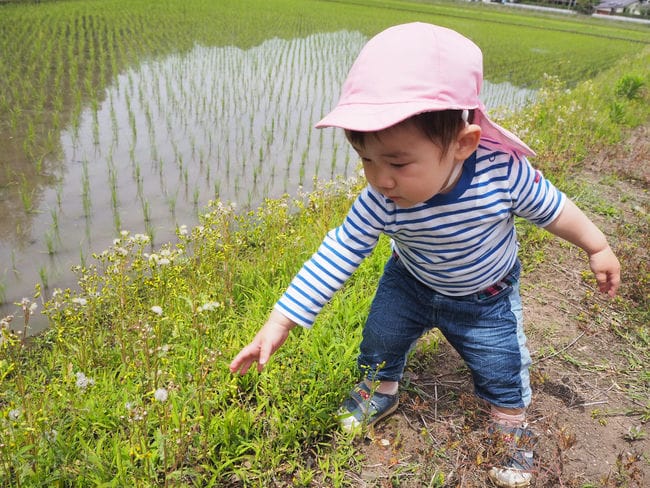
376 117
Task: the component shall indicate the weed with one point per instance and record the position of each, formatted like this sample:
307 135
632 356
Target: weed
629 87
635 433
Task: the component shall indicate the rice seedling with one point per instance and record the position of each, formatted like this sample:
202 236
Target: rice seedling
50 241
171 202
146 211
26 192
85 190
117 220
45 280
196 197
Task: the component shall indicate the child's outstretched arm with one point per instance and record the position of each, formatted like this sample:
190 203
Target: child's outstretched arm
269 338
574 226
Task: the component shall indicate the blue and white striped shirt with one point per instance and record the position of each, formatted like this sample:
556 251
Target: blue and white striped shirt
457 243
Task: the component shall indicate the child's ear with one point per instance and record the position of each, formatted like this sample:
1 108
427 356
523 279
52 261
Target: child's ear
467 142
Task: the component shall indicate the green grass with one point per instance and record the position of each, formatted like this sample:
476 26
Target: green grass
130 385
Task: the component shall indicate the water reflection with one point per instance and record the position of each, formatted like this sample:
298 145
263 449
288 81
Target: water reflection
174 133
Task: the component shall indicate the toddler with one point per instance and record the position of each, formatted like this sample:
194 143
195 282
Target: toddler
445 184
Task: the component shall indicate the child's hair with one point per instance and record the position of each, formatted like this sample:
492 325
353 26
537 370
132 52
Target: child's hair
441 127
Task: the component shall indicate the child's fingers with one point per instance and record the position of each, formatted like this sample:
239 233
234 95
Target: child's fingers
608 282
266 349
614 281
244 359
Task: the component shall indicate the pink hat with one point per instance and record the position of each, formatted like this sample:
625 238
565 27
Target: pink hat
413 68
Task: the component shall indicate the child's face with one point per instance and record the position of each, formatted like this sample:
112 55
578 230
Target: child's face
404 165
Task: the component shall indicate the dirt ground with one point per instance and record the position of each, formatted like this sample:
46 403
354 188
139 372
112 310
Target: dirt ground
589 421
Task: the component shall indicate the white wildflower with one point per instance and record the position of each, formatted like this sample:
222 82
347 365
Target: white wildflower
83 381
79 301
124 233
116 242
4 325
161 395
141 238
182 230
14 414
157 310
209 306
33 307
51 435
163 262
121 251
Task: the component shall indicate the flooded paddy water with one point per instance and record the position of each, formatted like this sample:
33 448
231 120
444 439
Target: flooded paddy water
172 134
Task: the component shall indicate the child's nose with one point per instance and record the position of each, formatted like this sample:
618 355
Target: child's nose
385 179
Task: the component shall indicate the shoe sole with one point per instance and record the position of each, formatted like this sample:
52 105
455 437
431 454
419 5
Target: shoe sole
504 484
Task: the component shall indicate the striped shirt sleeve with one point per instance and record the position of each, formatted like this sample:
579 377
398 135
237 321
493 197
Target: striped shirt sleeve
339 255
534 197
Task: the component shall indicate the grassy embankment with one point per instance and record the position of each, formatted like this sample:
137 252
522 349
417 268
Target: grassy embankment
130 385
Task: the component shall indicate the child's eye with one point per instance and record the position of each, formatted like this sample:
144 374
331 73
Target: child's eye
399 165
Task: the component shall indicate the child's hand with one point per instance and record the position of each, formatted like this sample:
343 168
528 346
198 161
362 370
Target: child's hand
607 270
269 338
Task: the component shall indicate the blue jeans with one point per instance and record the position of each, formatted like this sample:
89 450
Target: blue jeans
485 328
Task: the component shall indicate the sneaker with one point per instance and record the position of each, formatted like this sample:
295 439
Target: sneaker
364 407
519 443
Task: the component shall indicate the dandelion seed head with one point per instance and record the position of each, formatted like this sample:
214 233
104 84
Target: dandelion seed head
161 395
157 310
14 414
209 306
83 381
51 435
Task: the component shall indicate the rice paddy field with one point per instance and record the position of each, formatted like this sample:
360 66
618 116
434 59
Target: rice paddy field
131 116
161 180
